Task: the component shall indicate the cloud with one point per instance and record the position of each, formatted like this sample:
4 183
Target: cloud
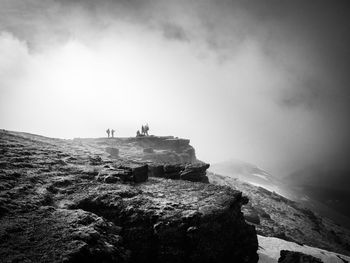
270 77
174 32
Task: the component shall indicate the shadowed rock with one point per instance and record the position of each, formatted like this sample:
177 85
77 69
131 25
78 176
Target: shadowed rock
188 172
174 221
297 257
155 170
138 172
195 172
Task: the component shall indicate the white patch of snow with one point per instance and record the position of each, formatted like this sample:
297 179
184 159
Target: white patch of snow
270 248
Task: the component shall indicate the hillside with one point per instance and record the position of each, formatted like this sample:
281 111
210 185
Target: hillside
89 201
318 187
246 172
276 216
144 199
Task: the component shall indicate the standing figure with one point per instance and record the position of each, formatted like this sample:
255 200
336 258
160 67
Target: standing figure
146 129
108 132
143 130
112 131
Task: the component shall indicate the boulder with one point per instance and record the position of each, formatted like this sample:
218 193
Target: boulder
297 257
138 172
174 221
195 172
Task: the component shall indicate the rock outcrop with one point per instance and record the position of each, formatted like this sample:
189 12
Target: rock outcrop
190 172
172 221
160 149
297 257
276 216
68 201
136 173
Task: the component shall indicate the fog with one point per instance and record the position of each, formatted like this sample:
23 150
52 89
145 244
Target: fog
267 84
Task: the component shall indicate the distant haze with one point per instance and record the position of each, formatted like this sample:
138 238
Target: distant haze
262 81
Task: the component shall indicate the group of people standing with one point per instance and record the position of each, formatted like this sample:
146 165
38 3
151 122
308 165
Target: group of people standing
144 131
110 133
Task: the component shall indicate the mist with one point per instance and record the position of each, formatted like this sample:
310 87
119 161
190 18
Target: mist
262 84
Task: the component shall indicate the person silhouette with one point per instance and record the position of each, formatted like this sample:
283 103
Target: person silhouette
146 129
112 131
108 132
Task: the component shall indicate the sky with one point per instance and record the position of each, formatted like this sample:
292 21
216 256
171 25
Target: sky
261 81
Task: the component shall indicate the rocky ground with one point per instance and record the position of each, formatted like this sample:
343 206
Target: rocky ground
144 199
92 200
276 216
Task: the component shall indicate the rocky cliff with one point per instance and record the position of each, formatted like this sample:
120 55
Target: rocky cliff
159 149
92 200
276 216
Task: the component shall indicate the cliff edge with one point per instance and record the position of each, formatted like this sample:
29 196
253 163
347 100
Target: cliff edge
101 200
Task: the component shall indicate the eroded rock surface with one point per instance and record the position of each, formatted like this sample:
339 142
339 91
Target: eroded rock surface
171 221
67 201
48 234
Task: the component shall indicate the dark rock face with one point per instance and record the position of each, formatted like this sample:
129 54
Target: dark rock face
172 171
60 202
174 221
156 170
195 172
189 172
297 257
